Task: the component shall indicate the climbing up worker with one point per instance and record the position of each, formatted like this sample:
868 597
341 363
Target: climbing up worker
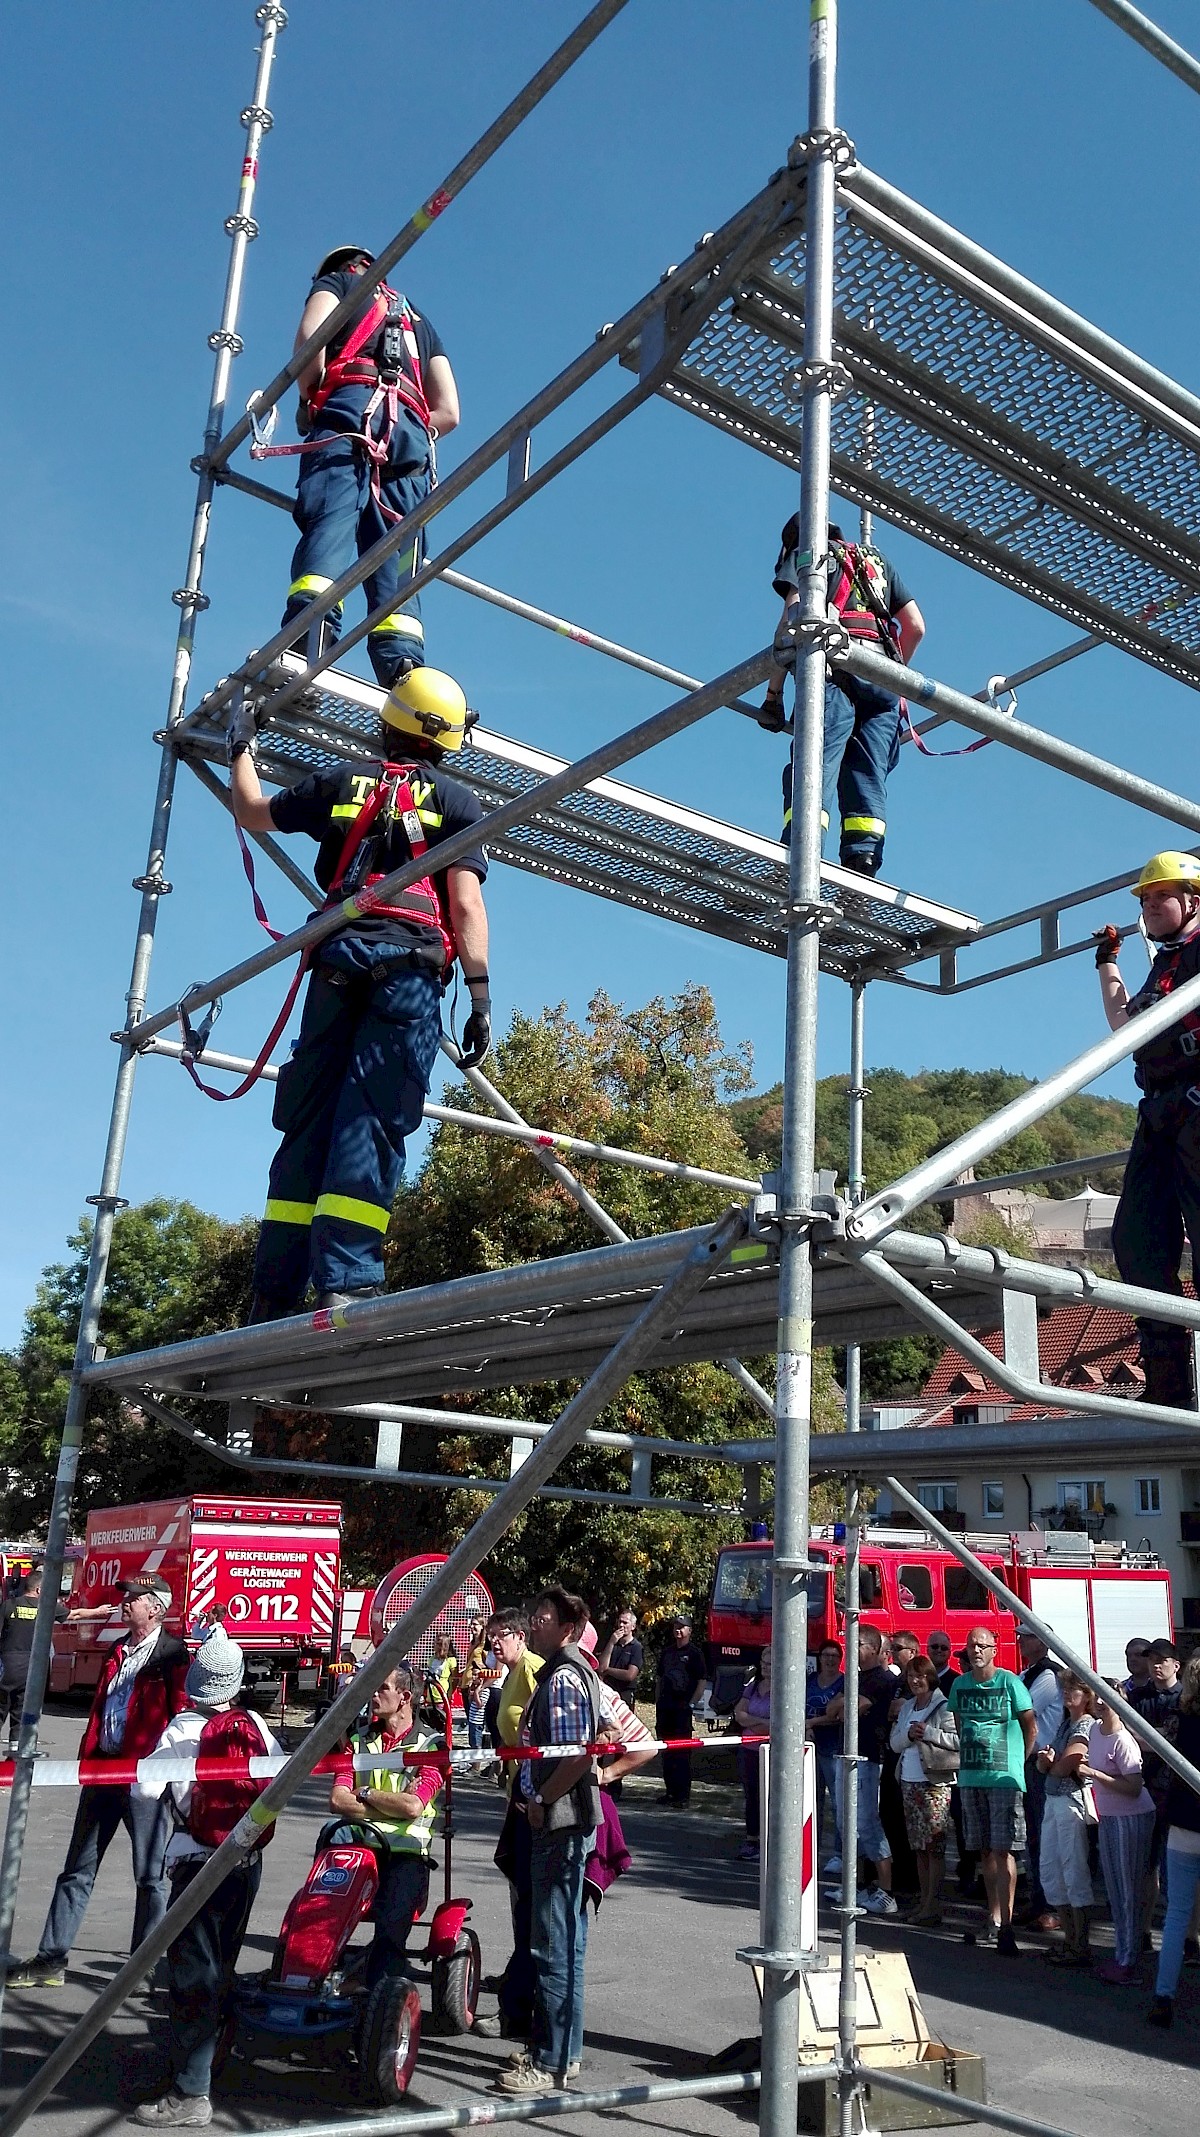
371 1026
1160 1197
862 721
384 378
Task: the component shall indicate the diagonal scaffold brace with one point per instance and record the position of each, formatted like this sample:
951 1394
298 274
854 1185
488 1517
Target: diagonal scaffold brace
646 1331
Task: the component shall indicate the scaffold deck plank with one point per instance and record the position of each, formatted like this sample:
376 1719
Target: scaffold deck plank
543 1321
617 841
970 422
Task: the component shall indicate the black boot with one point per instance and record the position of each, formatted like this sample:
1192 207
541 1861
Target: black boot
263 1308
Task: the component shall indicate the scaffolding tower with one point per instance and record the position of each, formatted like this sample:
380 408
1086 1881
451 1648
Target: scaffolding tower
836 326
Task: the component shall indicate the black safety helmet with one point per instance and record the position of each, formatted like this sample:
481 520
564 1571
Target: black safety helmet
341 256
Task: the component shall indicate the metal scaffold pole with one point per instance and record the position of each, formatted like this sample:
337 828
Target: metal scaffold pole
226 345
848 1825
793 1400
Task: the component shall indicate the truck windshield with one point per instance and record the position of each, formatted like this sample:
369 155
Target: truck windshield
743 1584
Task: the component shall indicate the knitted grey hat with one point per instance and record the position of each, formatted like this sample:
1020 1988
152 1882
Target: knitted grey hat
215 1677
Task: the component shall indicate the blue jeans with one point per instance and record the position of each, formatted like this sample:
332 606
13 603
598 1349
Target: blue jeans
339 519
351 1094
558 1943
200 1968
872 1840
862 744
1183 1876
101 1811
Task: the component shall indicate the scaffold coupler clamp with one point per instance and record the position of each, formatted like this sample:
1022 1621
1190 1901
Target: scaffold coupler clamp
831 141
823 631
824 1215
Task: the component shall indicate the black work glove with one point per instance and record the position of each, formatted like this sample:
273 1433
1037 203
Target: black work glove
477 1032
771 714
1108 946
242 733
304 421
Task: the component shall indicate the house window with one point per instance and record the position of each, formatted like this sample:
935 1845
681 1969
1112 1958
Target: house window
1081 1495
966 1413
1148 1495
993 1502
939 1495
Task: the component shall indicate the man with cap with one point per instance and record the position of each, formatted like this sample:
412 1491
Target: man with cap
385 377
141 1689
371 1028
202 1960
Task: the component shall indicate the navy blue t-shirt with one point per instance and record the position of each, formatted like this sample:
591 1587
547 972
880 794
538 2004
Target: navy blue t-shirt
325 806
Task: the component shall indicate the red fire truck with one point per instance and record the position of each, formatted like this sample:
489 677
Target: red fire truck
270 1564
1097 1595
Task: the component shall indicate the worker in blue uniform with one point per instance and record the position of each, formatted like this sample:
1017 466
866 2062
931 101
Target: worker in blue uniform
386 376
862 722
1160 1194
369 1036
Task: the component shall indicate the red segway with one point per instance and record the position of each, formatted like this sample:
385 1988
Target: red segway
313 2002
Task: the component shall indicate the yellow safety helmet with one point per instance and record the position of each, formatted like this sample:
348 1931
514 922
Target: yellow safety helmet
1166 868
431 706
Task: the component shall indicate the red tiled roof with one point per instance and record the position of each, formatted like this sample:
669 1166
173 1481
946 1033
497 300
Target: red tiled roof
1081 1347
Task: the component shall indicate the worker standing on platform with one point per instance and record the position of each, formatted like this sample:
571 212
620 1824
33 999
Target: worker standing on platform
862 722
361 1068
386 378
1160 1197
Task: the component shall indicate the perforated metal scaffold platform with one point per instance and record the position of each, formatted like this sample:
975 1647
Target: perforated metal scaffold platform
614 840
978 414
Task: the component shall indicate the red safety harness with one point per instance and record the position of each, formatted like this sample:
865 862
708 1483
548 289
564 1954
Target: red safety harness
391 796
375 353
420 904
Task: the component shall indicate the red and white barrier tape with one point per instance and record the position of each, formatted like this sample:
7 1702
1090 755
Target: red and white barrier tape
125 1773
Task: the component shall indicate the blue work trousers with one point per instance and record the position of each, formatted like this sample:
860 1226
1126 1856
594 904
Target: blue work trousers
200 1968
352 1092
1159 1206
862 744
558 1942
339 519
102 1811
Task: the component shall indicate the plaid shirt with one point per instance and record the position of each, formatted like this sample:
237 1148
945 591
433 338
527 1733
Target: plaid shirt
569 1721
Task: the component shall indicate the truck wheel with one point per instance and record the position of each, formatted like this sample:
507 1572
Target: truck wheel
390 2038
455 1987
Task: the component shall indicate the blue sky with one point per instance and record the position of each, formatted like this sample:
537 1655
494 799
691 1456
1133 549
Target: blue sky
1040 131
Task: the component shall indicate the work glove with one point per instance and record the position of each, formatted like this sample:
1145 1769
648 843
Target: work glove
1108 946
771 714
304 421
242 733
477 1032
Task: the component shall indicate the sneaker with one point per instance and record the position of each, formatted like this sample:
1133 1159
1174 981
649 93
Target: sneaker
526 2080
514 2062
877 1901
748 1852
38 1974
1007 1945
833 1867
501 2028
1117 1977
176 2111
1161 2012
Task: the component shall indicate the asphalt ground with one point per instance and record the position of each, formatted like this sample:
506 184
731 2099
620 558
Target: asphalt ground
664 1990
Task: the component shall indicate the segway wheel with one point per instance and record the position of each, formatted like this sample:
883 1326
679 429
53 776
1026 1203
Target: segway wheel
455 1986
390 2038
